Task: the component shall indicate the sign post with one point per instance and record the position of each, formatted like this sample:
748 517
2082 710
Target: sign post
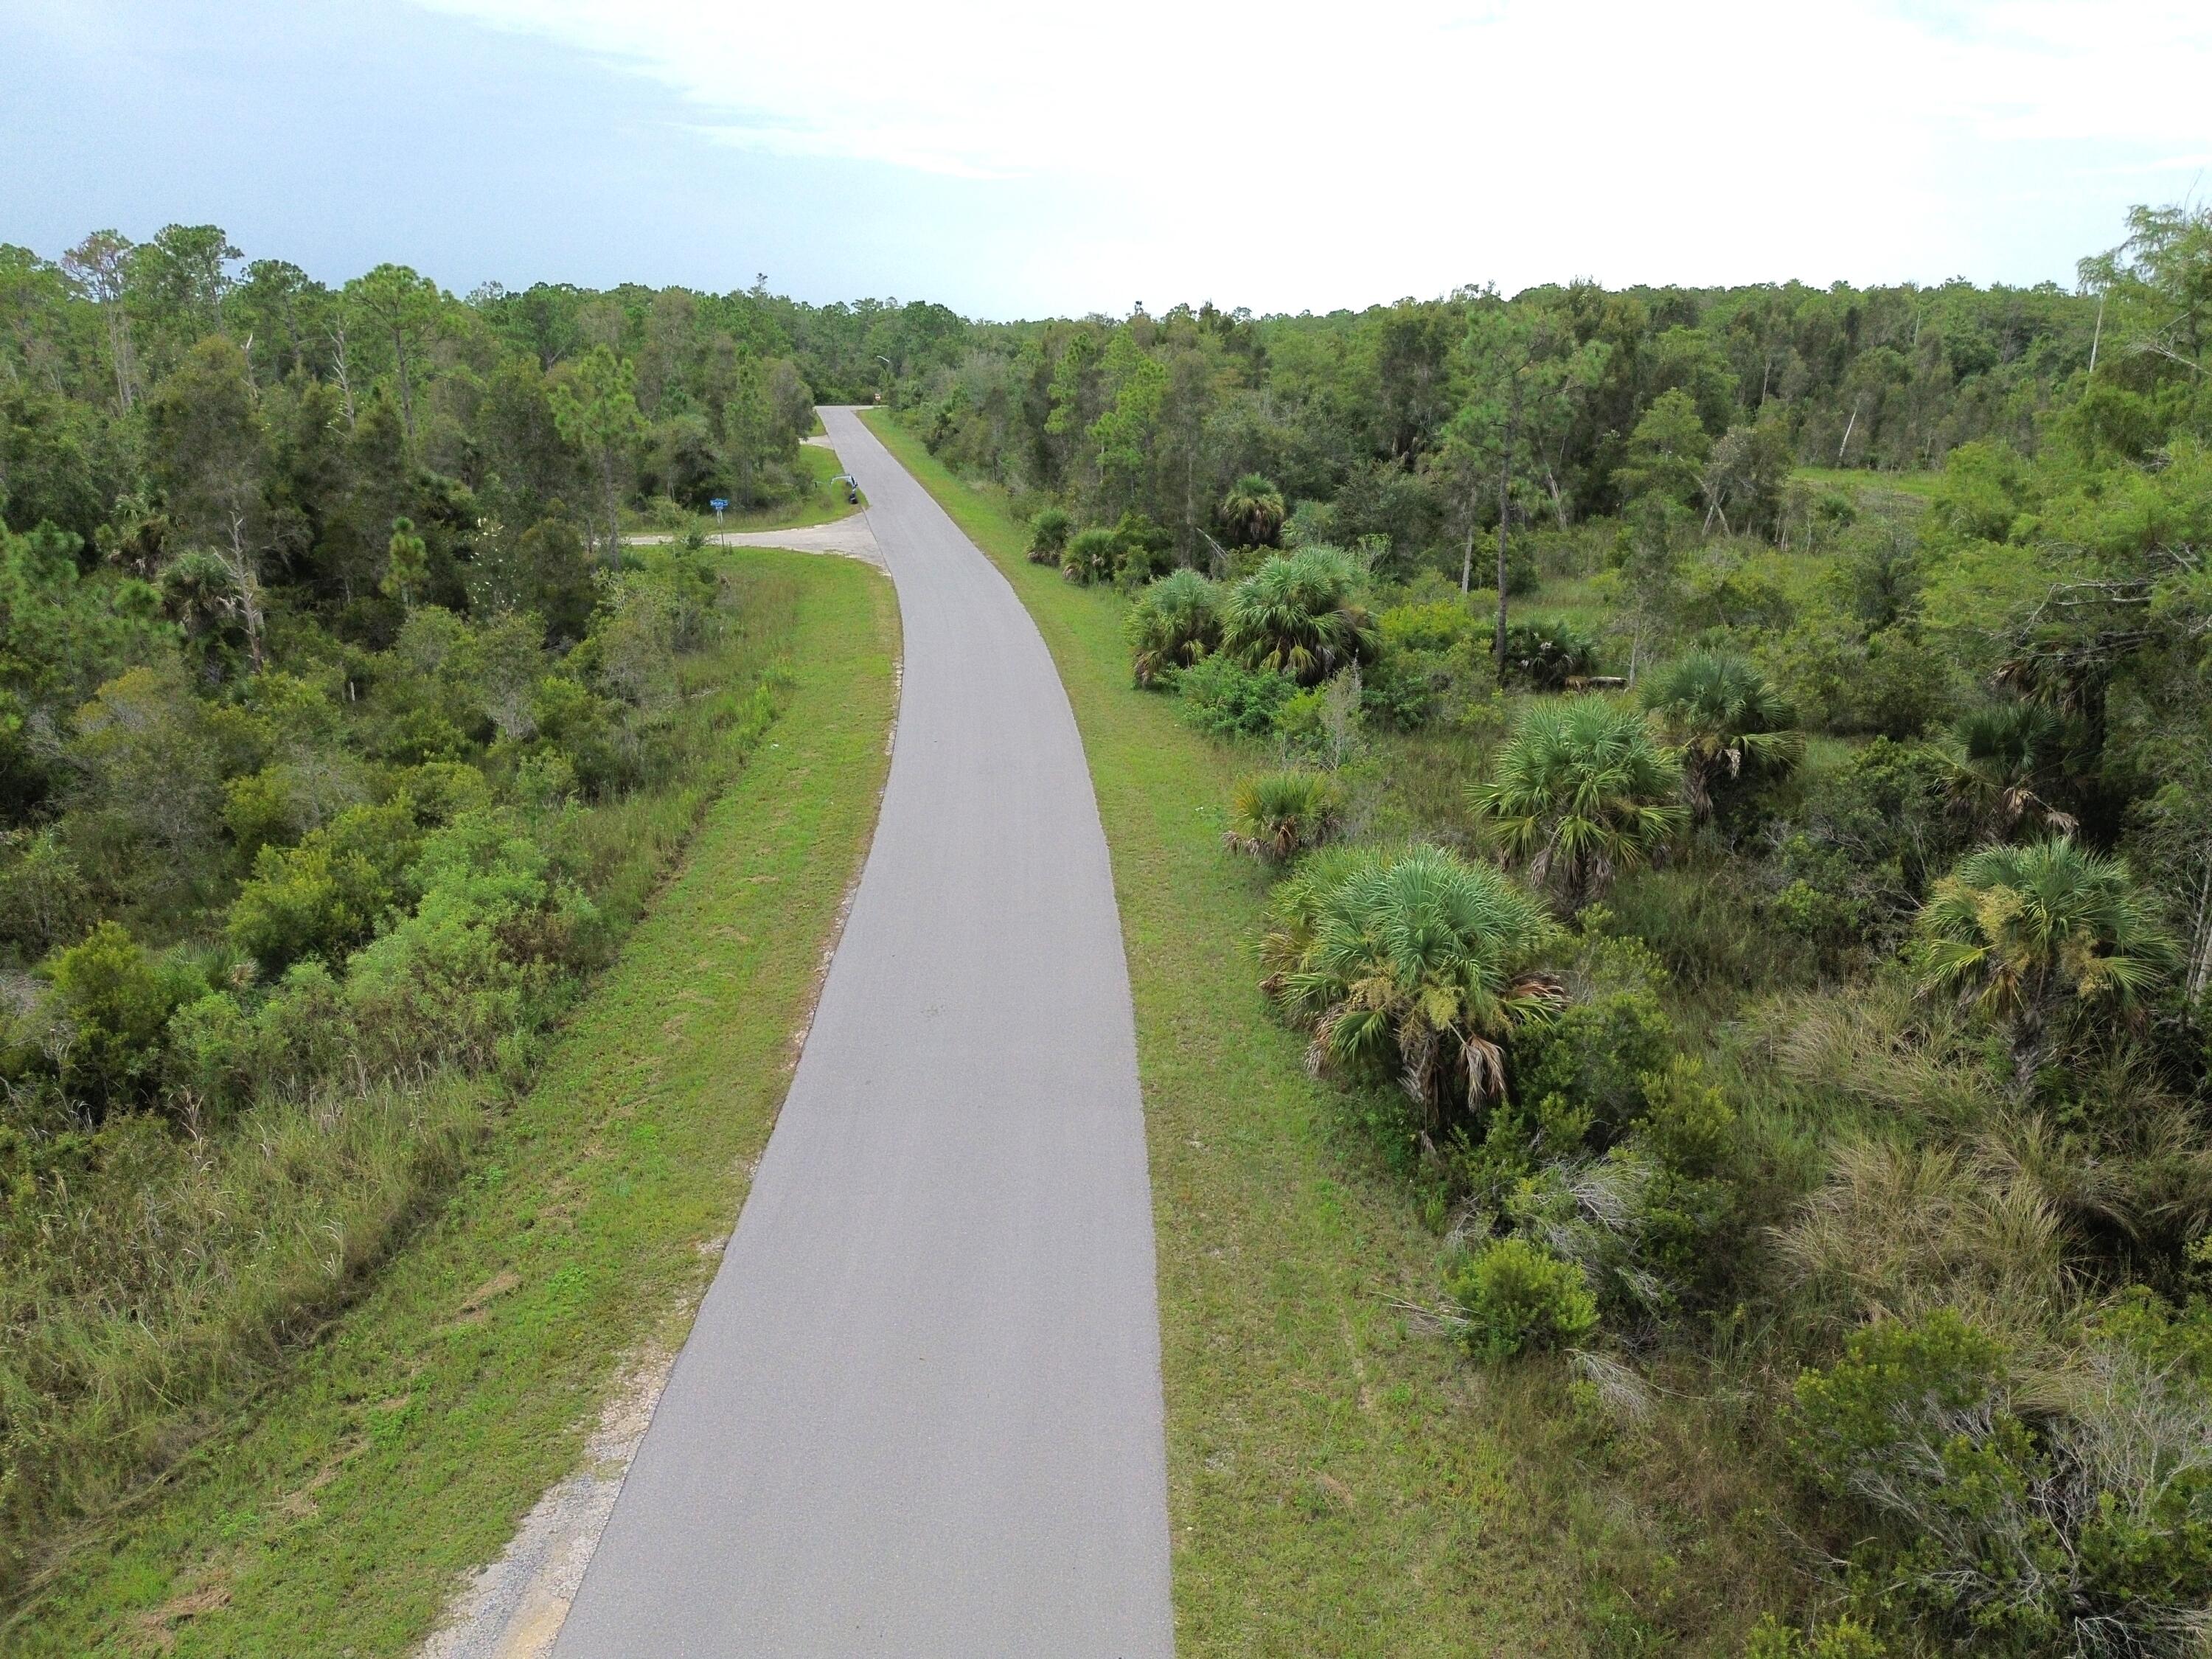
720 503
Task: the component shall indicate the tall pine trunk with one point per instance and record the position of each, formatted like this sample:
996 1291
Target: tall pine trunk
1505 513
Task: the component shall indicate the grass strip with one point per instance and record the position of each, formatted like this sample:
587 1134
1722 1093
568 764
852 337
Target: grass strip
402 1448
1335 1483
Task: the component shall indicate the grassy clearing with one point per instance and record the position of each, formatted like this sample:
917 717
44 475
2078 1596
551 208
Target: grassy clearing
1854 478
1338 1480
403 1447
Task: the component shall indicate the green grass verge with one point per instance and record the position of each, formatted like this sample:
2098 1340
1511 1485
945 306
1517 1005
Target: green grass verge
404 1447
1336 1486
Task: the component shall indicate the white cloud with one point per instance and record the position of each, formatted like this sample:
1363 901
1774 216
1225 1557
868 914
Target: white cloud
1296 153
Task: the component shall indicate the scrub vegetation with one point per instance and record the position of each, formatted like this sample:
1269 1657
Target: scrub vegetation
1665 843
344 740
1747 923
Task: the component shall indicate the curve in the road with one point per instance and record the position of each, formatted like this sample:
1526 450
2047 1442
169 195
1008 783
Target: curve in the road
920 1413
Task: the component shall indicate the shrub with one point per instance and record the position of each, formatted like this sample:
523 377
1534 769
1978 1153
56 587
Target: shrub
2007 763
1581 792
2027 932
1516 1296
1091 556
257 811
1278 815
1224 699
1845 1639
1252 512
235 1055
1144 551
583 731
1865 840
1544 655
326 896
2083 1527
1588 1065
43 895
479 956
1641 1234
116 999
1049 533
1892 682
1325 721
1300 615
1174 622
1430 625
1416 965
1732 725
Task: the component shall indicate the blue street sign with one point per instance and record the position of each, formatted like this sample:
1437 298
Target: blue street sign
718 503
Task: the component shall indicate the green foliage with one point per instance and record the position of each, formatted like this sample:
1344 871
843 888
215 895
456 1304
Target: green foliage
2008 768
407 564
1845 1639
1278 815
1862 844
1544 656
115 1000
1582 792
1515 1297
1091 556
1049 533
1416 965
1299 614
2015 1530
1224 699
1668 450
43 895
1731 726
2027 932
328 894
1174 622
1252 512
1585 1070
480 958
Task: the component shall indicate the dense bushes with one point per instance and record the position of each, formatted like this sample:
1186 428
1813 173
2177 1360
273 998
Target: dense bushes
1512 1296
374 896
1545 656
1853 1140
2072 1513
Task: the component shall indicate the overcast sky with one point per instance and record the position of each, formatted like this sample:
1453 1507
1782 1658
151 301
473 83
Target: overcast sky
1026 159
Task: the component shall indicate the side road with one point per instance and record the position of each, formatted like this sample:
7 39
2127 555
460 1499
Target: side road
920 1413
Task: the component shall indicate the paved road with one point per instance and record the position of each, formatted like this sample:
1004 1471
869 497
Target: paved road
920 1413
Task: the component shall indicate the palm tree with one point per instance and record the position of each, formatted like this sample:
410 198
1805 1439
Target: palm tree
1251 511
1175 621
2024 931
2002 761
1582 792
1300 615
1728 721
1416 962
1278 815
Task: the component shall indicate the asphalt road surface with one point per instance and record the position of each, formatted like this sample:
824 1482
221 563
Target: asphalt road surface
920 1413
